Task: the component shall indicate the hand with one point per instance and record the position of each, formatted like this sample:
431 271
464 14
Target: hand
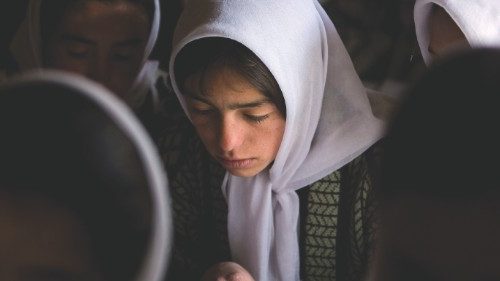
227 271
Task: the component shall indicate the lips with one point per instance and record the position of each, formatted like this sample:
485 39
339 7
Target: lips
236 163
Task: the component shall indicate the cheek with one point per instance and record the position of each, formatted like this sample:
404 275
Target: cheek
206 130
57 58
279 129
122 77
270 139
202 122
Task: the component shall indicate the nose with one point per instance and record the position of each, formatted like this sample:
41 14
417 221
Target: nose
100 71
231 134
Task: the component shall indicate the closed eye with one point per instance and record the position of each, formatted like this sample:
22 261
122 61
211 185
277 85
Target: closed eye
77 51
204 111
257 119
122 57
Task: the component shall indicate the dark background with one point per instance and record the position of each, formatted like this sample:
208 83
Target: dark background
378 34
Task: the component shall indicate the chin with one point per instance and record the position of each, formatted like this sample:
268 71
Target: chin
244 173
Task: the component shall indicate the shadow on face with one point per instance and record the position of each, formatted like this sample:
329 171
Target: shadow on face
102 40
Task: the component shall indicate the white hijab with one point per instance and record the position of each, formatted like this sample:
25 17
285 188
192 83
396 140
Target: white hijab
26 48
479 20
158 252
329 119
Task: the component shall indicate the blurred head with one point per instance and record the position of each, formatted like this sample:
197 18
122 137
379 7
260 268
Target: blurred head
69 162
234 102
438 194
444 33
104 40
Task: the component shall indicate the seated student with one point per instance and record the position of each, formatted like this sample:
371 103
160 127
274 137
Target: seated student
107 41
442 26
82 192
274 97
439 201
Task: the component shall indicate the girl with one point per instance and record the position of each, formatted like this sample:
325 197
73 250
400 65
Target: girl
274 97
444 25
82 189
438 219
107 41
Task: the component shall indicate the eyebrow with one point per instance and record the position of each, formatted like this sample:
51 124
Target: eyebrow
234 106
75 38
127 43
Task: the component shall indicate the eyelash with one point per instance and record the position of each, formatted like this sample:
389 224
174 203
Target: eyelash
78 54
251 118
202 111
257 119
122 58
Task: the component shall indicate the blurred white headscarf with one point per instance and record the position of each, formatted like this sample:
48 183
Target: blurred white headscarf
329 120
26 48
479 20
51 85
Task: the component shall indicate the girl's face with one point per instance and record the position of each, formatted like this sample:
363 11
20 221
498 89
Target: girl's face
240 127
444 33
104 41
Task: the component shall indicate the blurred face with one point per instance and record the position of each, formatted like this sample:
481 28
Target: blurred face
444 33
425 239
104 41
240 127
40 241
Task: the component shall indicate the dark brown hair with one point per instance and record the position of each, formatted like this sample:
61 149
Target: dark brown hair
215 53
444 142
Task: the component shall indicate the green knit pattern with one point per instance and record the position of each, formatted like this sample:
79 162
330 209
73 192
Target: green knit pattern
320 228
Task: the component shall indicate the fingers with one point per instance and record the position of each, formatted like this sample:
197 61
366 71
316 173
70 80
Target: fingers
227 271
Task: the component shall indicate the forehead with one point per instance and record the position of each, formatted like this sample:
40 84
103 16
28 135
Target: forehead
115 18
221 83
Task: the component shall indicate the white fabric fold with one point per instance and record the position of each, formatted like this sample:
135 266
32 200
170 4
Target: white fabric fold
26 47
329 119
479 20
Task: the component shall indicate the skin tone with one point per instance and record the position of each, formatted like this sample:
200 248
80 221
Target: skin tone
227 271
41 241
241 128
444 33
104 41
438 240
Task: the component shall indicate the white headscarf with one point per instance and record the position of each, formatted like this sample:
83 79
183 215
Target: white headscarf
329 121
26 48
479 20
157 253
